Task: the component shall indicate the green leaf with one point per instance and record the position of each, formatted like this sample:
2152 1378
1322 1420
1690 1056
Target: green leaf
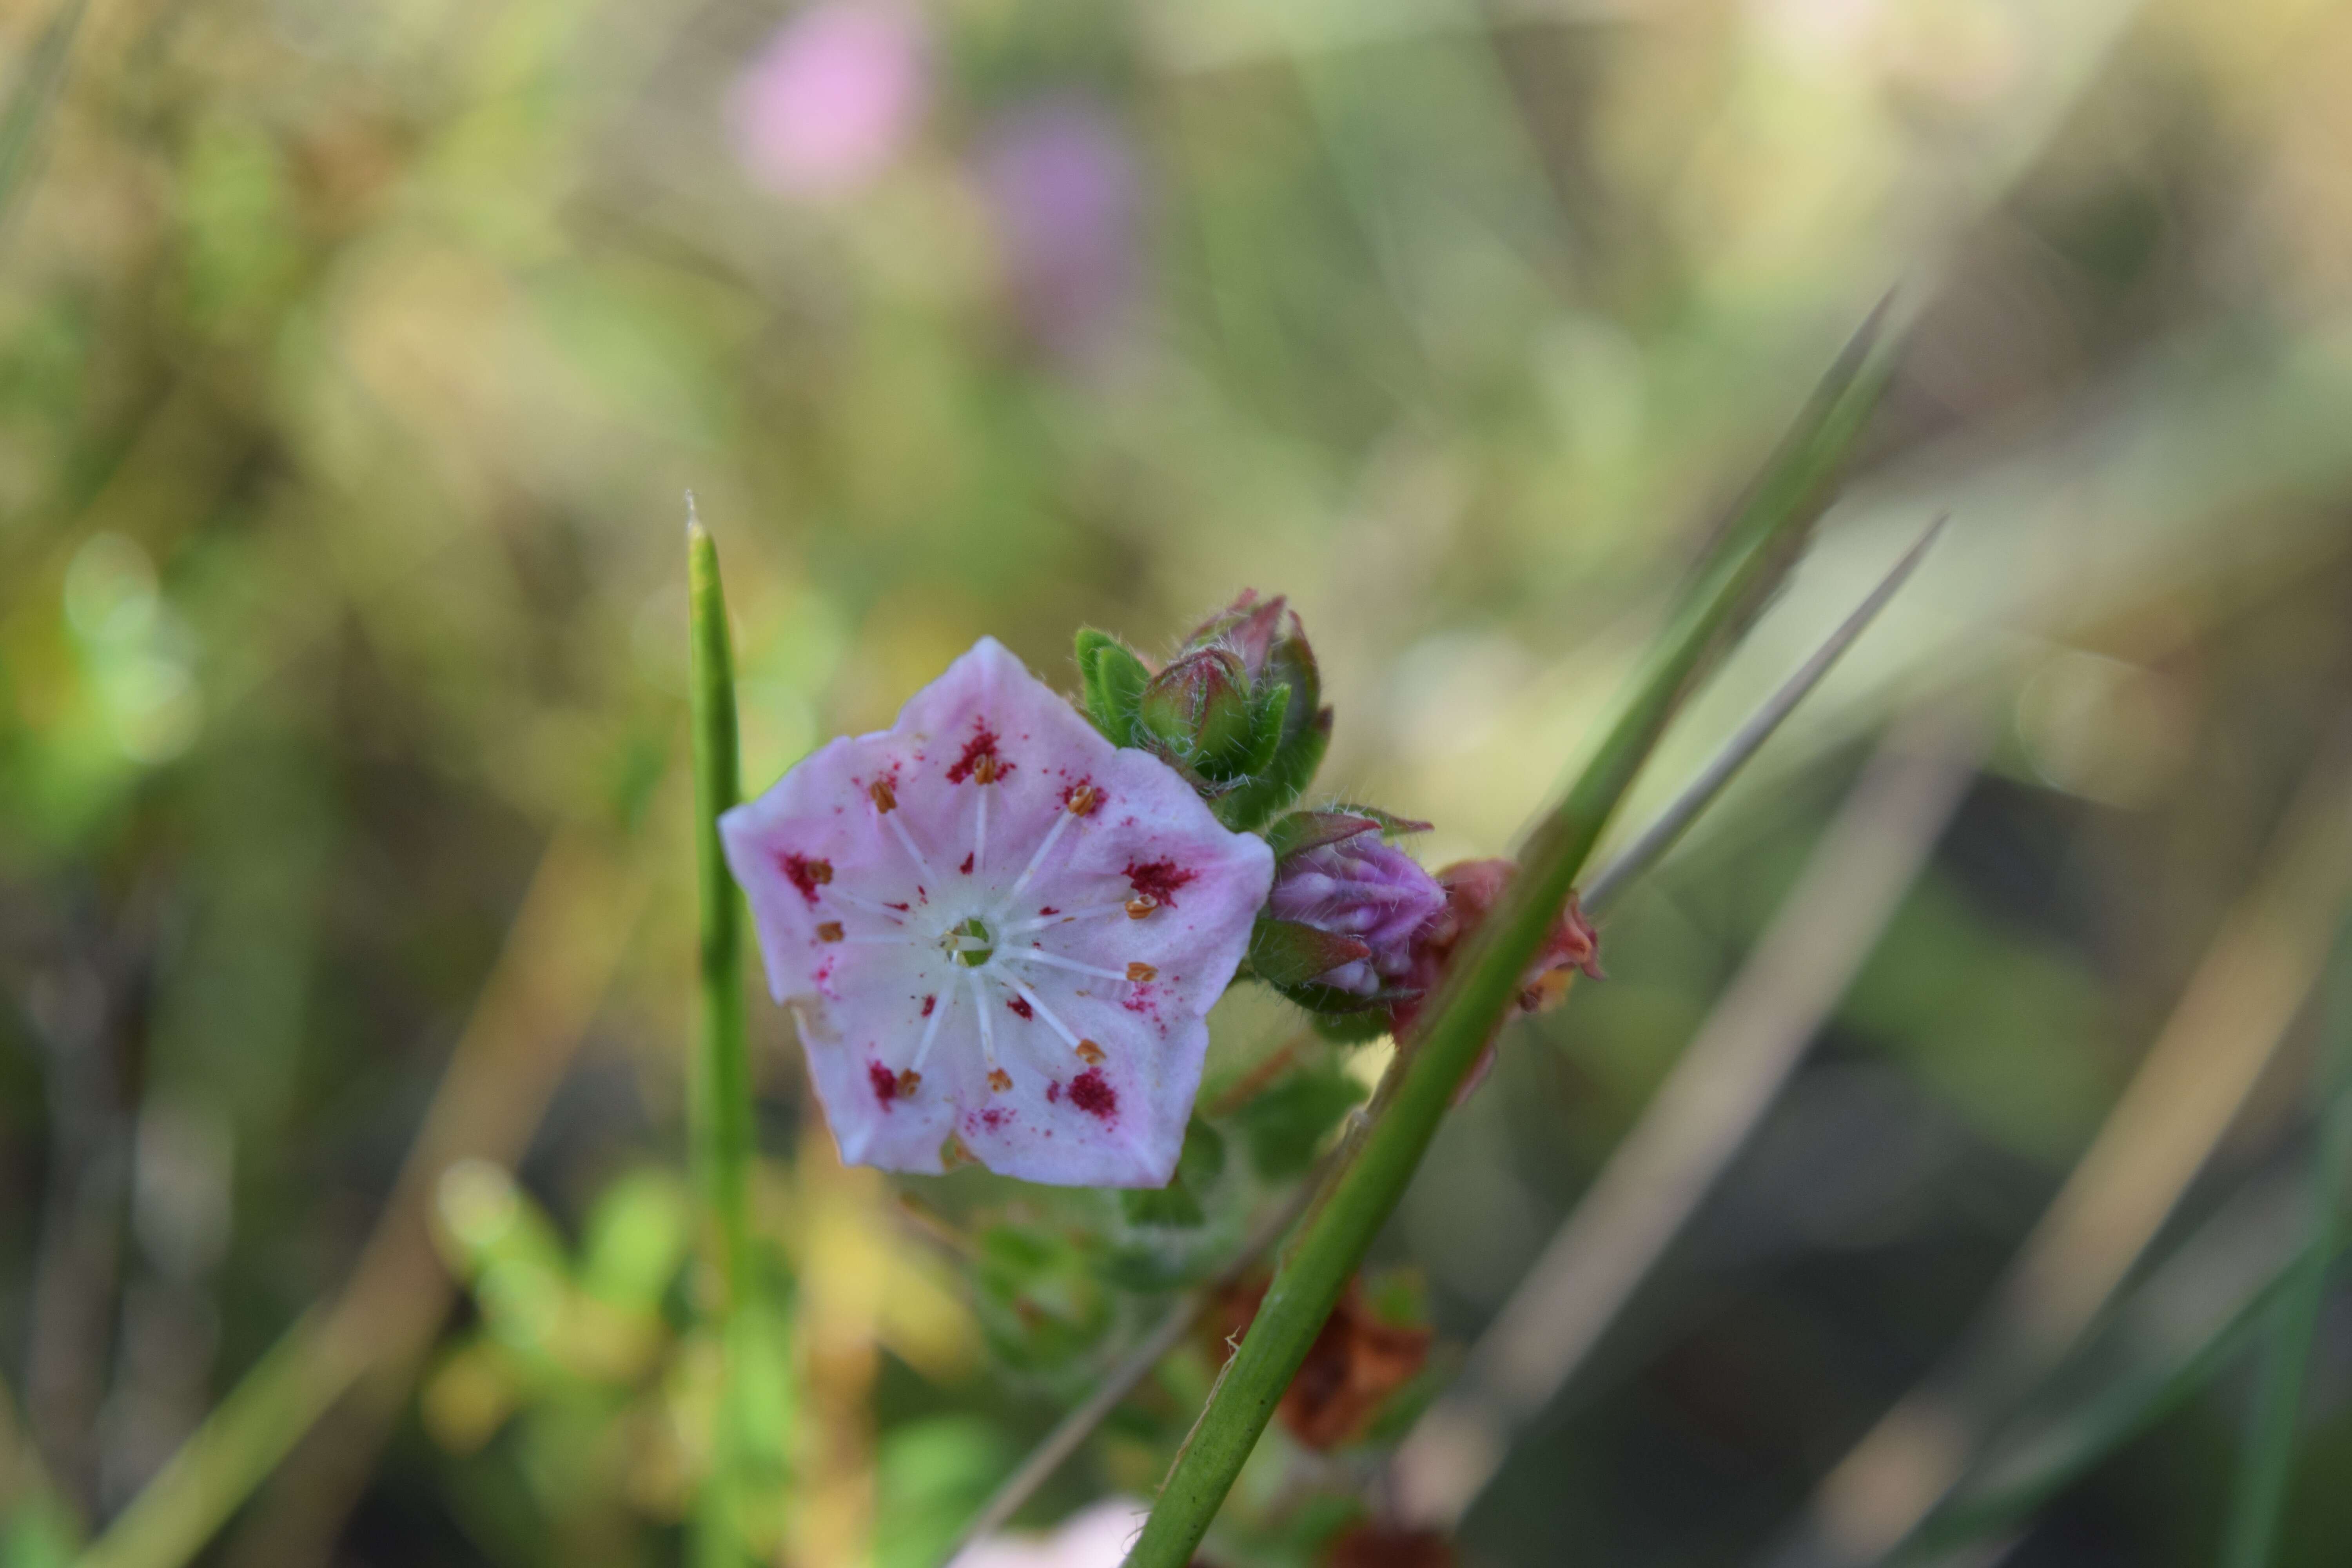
1180 1204
1112 679
1282 1127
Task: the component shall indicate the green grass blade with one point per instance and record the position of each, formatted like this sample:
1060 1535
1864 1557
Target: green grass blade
2258 1501
33 96
719 1099
1371 1174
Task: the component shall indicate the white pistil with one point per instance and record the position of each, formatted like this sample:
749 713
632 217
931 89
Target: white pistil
1039 956
940 1003
1052 836
1038 1004
1040 923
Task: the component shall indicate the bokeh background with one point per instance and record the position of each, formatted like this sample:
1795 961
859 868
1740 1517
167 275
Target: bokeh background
354 361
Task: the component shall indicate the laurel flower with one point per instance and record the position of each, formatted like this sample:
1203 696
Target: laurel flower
999 933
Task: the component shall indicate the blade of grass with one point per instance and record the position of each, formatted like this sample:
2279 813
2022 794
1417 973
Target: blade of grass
1374 1167
2268 1463
720 1092
2223 1032
32 99
1733 1071
1662 833
575 924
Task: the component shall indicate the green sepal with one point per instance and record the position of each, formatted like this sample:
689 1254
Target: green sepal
1266 732
1304 830
1287 954
1112 679
1258 801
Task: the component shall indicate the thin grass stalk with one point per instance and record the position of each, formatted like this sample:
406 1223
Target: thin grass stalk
719 1091
2258 1502
1746 563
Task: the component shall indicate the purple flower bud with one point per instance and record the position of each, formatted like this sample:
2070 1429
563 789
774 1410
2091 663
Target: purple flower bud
1360 887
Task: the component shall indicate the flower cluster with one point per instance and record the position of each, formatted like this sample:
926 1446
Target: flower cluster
1001 923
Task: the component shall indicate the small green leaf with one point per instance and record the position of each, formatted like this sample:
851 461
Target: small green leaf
1282 1127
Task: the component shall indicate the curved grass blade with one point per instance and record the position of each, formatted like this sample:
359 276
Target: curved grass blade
2258 1500
1662 833
720 1099
33 98
1372 1169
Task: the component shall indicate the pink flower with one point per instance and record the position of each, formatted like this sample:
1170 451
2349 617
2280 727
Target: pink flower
832 98
1062 183
1001 934
1095 1537
1353 885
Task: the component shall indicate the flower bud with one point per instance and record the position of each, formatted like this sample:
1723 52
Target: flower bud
1199 709
1473 887
1359 887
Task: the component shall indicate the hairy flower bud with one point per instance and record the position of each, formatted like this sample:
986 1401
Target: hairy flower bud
1199 708
1237 711
1360 887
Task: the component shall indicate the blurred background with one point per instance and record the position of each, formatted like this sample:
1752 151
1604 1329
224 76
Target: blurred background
355 358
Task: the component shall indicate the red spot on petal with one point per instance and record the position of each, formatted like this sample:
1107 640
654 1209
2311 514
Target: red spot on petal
994 1117
930 1003
1157 880
1020 1004
979 759
1091 1093
901 908
884 1081
966 867
805 874
1047 909
1140 1002
1053 1092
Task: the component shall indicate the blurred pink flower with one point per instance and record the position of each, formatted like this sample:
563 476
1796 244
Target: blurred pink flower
1064 188
1001 934
834 96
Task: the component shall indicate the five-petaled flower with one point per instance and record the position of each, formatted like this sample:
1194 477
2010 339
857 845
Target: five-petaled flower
999 933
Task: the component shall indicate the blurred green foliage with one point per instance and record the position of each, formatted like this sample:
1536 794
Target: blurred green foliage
353 359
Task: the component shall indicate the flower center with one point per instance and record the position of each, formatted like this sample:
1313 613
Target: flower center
970 942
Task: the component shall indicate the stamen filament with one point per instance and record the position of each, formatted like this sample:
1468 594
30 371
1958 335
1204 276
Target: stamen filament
882 940
1038 1003
891 819
870 906
987 1026
1040 955
980 832
1040 923
931 1030
1045 847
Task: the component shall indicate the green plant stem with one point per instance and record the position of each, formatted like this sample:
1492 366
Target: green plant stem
2259 1498
719 1098
1370 1176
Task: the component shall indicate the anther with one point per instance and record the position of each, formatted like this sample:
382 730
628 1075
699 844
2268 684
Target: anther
909 1082
999 1080
885 798
1089 1053
1084 799
1140 905
983 769
1139 973
829 931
